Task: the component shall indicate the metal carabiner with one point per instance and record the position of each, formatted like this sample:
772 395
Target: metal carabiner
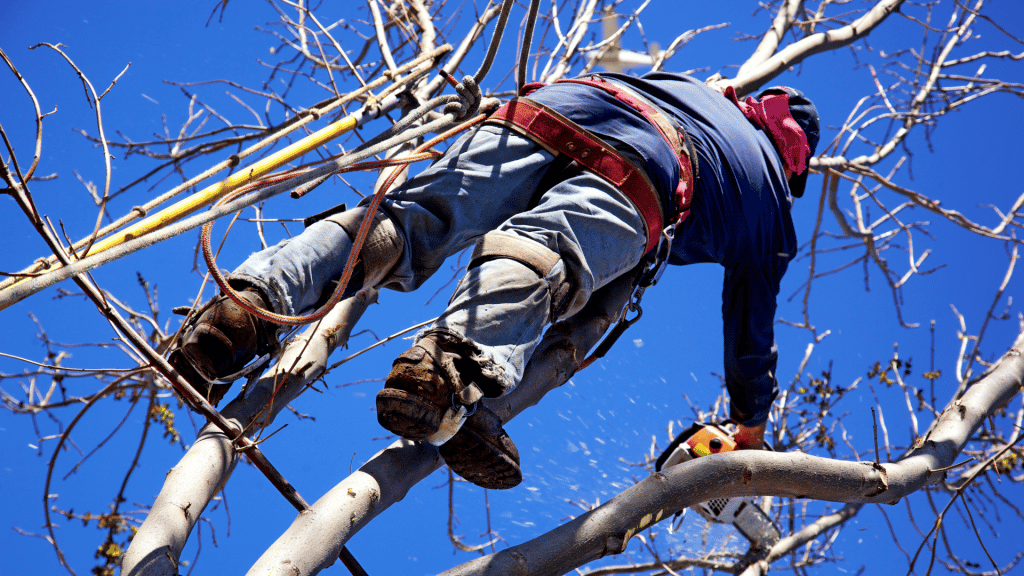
634 306
653 273
618 329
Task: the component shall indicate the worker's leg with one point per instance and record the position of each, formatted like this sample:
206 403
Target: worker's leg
290 278
485 177
540 265
296 275
502 305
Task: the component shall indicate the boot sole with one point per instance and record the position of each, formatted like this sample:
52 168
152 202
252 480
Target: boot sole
212 392
481 460
406 414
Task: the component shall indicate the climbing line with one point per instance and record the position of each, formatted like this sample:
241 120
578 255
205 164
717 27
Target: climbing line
492 48
524 51
456 106
397 166
202 198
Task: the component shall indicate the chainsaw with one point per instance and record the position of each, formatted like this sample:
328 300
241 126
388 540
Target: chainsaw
742 512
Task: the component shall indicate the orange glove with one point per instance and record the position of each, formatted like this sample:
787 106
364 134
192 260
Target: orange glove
750 438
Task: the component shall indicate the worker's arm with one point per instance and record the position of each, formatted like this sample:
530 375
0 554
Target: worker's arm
749 437
750 353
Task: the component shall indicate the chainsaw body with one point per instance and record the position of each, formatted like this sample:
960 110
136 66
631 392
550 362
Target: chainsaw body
742 512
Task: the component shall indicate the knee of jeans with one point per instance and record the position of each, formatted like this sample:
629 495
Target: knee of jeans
382 247
544 262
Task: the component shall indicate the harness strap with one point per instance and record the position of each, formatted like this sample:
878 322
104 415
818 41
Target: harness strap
558 134
529 253
532 254
675 136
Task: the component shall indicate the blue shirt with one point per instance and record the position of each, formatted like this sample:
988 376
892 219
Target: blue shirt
739 216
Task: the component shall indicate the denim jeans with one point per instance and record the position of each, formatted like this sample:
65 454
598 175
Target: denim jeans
487 180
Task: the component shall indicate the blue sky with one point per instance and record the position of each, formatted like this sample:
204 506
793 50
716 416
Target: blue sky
576 445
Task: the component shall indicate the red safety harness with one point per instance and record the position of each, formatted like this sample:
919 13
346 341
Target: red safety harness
558 134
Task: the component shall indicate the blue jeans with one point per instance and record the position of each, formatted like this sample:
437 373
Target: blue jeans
487 180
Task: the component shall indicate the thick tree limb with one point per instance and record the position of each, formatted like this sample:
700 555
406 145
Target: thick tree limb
608 528
796 52
782 24
315 538
202 472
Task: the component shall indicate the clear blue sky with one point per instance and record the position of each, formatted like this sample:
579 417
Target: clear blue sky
574 445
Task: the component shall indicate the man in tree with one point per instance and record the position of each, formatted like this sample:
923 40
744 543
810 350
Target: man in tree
561 191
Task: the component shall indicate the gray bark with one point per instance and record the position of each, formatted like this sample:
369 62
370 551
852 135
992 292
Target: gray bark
315 538
608 528
202 472
759 70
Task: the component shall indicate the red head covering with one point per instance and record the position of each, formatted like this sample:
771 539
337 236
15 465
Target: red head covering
772 114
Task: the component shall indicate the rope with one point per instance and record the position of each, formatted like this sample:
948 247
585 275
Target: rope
469 88
492 49
196 201
466 103
322 109
398 165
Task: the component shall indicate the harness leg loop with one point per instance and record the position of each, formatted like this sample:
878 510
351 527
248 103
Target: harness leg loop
383 247
535 256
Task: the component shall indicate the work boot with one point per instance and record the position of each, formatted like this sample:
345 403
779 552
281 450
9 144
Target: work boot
426 397
220 340
419 390
482 452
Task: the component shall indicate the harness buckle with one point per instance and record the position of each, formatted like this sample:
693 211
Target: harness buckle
656 267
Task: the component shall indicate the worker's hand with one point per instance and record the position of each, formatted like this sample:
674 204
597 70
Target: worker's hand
750 438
